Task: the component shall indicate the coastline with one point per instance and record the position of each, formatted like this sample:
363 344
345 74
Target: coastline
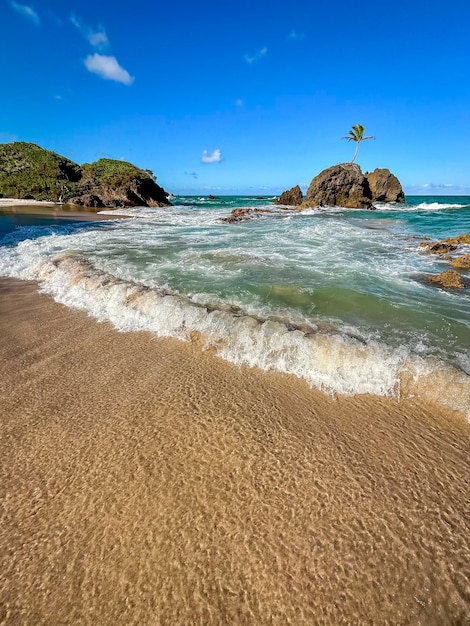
42 208
148 481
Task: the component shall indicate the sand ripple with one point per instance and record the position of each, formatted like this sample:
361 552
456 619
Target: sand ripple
145 482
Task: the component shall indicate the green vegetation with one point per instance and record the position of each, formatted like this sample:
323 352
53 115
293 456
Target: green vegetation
113 175
357 134
28 170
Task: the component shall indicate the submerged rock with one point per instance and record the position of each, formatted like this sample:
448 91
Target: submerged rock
384 186
444 246
291 197
449 279
438 247
242 215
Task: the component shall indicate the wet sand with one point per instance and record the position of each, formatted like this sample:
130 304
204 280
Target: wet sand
40 209
146 482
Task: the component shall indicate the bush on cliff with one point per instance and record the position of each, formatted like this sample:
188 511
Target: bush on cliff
28 170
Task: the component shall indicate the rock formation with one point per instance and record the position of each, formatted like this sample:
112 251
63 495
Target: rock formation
444 246
340 185
291 197
384 186
242 215
345 185
110 183
461 262
449 279
29 171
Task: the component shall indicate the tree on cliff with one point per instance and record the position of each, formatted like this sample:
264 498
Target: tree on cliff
357 134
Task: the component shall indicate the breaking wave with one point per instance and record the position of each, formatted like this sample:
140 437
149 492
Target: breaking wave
328 360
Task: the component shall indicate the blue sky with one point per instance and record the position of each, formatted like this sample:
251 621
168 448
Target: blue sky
243 97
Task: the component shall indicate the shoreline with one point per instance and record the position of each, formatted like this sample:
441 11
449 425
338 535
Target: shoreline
148 481
40 208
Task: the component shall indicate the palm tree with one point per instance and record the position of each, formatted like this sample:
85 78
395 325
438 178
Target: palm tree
357 134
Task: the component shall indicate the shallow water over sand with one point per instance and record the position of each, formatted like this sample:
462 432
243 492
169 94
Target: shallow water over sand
146 482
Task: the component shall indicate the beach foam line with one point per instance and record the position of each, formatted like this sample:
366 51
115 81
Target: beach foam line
330 361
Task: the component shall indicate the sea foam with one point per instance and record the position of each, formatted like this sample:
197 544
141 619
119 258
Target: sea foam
331 361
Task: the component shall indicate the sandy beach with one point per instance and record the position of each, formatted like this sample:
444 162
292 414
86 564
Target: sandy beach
145 481
42 208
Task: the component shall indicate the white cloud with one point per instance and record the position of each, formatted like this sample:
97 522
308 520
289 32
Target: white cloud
108 68
250 58
295 35
215 157
27 11
97 38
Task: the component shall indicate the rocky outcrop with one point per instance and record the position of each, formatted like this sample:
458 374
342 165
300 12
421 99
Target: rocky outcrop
449 279
29 171
384 186
461 262
444 246
242 215
345 185
291 197
340 185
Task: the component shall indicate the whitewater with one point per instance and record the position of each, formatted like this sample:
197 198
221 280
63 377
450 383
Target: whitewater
336 297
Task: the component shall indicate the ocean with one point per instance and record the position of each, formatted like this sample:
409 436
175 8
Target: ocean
334 296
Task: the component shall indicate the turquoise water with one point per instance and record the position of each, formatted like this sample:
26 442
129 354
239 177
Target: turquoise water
267 291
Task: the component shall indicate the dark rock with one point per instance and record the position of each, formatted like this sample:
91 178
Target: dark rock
384 186
90 200
449 244
345 185
438 247
291 197
242 215
340 185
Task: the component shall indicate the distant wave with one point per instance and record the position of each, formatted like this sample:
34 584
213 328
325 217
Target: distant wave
436 206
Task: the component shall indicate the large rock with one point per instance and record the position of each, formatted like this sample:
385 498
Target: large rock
345 185
340 185
384 186
291 197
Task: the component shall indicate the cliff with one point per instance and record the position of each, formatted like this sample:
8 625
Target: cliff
29 171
